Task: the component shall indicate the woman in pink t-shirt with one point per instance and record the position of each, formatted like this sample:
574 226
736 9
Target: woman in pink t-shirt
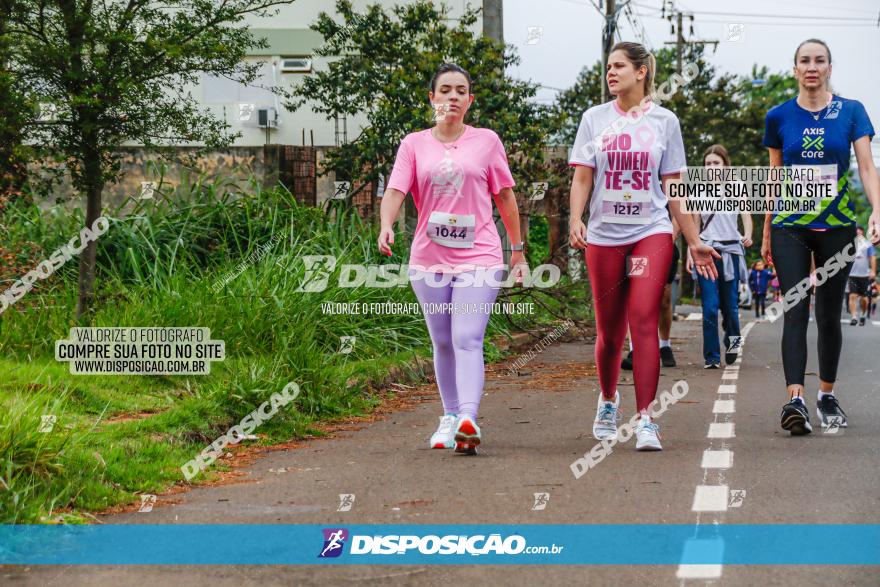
453 172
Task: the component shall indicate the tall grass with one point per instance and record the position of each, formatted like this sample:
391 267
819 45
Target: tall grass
157 265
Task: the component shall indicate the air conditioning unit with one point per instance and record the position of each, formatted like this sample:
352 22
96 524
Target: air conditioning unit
296 65
267 118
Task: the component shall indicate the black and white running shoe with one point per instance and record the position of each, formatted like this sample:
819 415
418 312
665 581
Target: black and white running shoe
830 413
796 418
667 359
733 350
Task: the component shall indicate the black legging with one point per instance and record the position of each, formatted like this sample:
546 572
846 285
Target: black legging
759 304
792 249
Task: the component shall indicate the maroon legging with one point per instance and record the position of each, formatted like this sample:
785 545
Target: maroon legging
619 298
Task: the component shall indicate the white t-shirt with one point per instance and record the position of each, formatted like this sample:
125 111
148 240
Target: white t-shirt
628 203
861 266
722 227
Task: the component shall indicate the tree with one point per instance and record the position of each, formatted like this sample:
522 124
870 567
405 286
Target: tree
13 115
121 71
384 66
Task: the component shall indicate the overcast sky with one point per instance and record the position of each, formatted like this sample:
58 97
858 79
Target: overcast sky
770 32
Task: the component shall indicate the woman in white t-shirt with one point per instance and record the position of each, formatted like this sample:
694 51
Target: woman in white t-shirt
625 153
721 233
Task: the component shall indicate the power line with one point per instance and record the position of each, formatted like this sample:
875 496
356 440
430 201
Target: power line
797 24
763 15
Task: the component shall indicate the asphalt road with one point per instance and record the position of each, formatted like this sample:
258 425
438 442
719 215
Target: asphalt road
534 426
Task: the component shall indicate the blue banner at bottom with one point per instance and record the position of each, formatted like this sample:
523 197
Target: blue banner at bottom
529 544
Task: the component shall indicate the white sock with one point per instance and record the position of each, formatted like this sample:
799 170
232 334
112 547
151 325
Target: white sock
799 398
630 345
822 394
603 399
665 343
644 416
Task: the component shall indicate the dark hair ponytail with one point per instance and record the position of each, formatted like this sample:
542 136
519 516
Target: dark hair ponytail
447 68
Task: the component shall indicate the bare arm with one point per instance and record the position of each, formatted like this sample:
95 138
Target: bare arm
388 211
748 226
509 211
581 186
871 181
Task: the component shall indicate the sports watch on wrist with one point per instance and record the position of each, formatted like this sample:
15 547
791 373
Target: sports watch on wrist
520 247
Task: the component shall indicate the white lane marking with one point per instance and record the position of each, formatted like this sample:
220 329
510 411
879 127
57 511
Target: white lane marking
729 375
694 316
721 430
717 459
727 388
875 323
724 406
701 548
698 572
710 498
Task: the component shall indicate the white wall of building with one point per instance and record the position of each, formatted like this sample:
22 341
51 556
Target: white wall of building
289 36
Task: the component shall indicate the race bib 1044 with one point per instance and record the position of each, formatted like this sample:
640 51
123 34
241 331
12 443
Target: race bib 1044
452 230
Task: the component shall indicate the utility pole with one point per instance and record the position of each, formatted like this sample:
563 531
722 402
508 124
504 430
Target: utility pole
680 42
493 28
607 42
678 31
493 19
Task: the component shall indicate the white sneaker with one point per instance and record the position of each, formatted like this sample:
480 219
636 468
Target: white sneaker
467 436
607 415
444 437
647 435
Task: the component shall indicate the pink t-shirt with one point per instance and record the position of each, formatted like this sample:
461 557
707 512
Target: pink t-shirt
452 186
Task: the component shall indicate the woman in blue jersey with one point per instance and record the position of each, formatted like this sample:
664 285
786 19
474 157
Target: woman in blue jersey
816 127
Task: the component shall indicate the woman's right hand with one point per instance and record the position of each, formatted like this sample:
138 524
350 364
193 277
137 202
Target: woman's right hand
765 248
386 239
577 233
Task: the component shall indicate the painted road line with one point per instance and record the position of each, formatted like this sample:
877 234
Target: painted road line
694 316
698 547
726 388
724 406
717 459
721 430
698 572
710 498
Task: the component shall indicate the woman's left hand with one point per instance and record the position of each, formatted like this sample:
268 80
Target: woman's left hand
704 258
874 226
518 265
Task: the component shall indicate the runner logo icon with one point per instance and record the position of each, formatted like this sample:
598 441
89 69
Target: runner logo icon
833 110
334 541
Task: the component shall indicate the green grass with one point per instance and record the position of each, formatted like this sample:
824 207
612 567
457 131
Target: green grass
156 267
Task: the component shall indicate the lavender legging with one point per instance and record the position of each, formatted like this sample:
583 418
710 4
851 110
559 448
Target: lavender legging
457 334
